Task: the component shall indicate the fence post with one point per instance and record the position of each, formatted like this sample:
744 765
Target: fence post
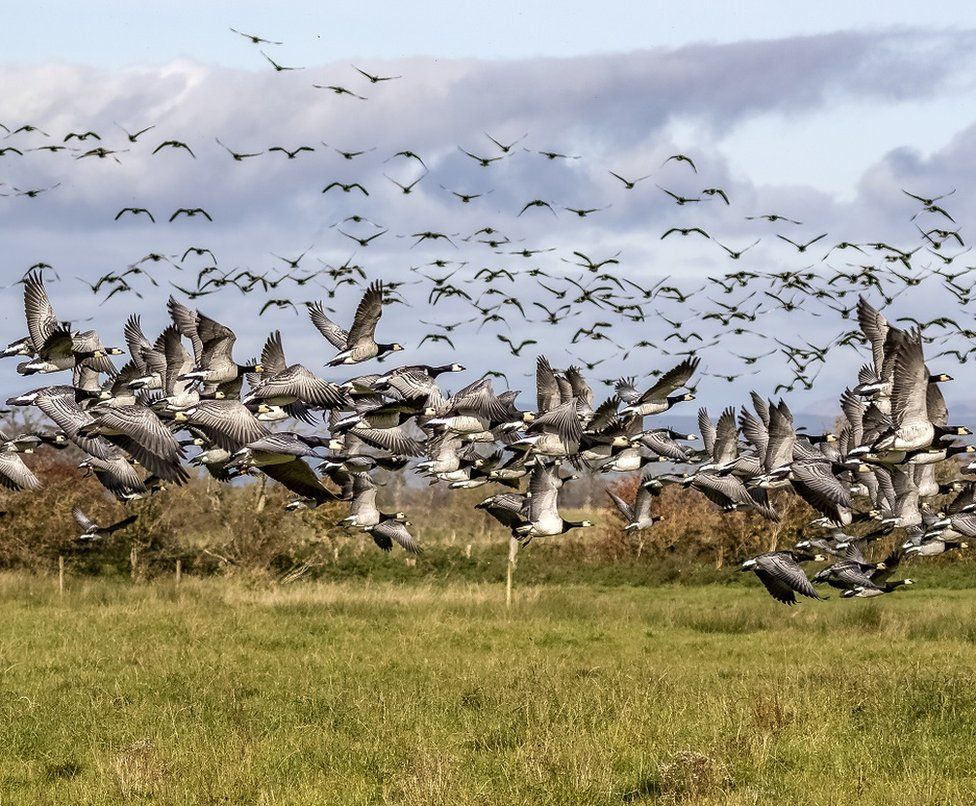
179 570
133 560
513 547
262 496
60 575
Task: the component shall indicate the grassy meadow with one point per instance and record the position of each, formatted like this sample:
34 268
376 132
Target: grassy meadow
378 692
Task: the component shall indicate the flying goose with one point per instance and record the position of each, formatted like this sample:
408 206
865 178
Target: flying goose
509 509
853 571
556 432
817 485
638 515
722 439
359 343
730 493
387 532
781 574
215 460
542 518
59 404
139 432
443 455
228 424
291 386
299 478
177 394
279 447
417 381
394 439
869 591
14 473
664 443
911 427
474 409
552 388
657 399
213 345
92 531
63 349
118 476
362 508
42 321
137 344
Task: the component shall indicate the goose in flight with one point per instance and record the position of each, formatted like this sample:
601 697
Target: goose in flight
657 399
358 343
542 518
781 574
92 531
638 515
290 386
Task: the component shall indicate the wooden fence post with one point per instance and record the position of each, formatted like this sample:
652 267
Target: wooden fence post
262 495
60 575
513 547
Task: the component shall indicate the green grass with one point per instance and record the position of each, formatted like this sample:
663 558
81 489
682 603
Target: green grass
359 692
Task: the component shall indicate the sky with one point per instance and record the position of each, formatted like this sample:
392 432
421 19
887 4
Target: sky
121 34
823 113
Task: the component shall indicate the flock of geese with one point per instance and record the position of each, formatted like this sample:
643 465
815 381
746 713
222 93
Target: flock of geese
185 391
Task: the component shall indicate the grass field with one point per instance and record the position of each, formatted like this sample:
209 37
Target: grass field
357 693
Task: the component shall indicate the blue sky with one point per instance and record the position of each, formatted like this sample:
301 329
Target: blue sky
823 114
116 34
